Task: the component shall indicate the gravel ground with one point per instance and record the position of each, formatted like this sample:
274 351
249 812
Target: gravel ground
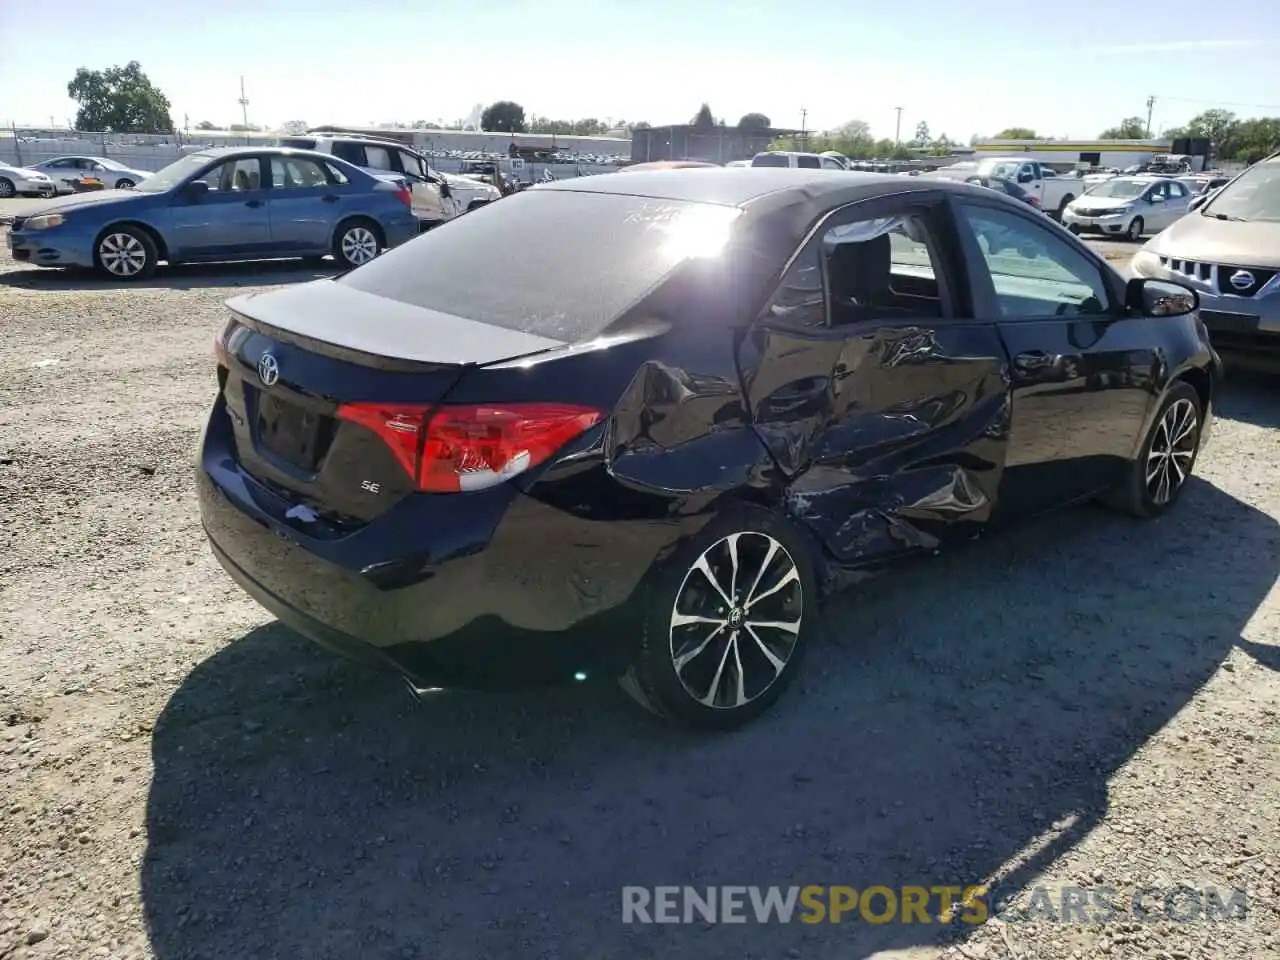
1090 702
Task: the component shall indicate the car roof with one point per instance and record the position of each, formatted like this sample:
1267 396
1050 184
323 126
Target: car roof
221 152
741 187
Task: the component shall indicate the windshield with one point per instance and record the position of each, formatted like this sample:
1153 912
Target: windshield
1118 189
172 175
1254 195
1004 169
610 250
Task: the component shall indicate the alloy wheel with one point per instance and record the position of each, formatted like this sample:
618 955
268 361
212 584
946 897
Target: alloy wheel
736 620
359 245
7 189
122 254
1173 448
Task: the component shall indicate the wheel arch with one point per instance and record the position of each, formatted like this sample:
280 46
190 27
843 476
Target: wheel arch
162 248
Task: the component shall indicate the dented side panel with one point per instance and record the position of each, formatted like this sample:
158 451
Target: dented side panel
892 437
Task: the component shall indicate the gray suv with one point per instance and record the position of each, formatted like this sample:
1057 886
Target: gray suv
1228 249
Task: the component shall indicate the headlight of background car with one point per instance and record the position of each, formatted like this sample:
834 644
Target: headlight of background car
45 222
1146 264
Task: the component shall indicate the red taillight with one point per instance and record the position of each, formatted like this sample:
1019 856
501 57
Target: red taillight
406 196
1033 200
474 446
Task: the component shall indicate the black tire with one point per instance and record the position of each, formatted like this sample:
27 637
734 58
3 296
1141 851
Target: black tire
477 204
711 662
116 245
1141 498
7 188
356 242
1134 233
1066 202
125 184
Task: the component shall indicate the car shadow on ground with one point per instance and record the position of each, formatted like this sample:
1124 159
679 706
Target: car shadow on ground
956 713
1251 396
184 276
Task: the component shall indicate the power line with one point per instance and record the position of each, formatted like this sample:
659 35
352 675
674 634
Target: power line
1225 103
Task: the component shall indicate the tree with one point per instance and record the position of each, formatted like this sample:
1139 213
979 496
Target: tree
119 100
1220 127
1256 138
922 134
206 125
703 119
641 125
294 127
1016 133
853 139
942 147
1131 128
754 121
504 116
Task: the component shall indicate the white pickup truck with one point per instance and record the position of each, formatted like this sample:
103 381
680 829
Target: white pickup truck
1054 192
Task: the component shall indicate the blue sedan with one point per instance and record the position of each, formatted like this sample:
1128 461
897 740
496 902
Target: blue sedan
227 204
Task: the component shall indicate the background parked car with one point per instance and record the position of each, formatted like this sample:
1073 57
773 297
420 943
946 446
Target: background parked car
239 203
437 197
25 182
1007 187
1128 206
69 172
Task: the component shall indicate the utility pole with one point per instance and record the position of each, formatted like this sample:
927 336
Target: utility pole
897 129
804 130
1151 105
244 110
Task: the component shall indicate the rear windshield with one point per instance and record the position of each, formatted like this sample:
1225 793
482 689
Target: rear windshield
771 160
553 263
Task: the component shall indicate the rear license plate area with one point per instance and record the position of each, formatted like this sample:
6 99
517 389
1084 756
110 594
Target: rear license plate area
291 432
1219 321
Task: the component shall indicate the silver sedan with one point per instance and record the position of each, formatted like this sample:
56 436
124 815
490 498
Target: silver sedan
67 171
23 181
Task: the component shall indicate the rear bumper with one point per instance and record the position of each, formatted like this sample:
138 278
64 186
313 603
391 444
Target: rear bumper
494 588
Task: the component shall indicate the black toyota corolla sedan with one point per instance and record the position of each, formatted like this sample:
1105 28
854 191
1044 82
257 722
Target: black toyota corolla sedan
640 426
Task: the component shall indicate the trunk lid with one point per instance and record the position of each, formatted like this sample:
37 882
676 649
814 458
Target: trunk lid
292 357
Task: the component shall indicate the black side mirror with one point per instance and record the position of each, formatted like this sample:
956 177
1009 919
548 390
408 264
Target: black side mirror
1025 177
1197 202
1160 298
445 191
196 189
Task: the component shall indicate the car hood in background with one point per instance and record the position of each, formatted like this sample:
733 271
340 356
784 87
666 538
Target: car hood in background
1254 243
467 181
1088 202
78 201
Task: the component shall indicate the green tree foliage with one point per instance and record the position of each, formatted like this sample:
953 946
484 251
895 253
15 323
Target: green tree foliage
922 134
119 100
703 119
503 116
206 125
588 127
1256 138
853 139
1130 128
754 121
1016 133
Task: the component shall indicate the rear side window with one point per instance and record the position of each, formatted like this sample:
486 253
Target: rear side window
350 152
553 263
808 163
771 160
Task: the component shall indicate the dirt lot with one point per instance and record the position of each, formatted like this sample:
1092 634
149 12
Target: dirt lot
1093 702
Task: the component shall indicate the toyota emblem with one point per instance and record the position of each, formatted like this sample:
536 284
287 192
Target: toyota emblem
1242 280
268 370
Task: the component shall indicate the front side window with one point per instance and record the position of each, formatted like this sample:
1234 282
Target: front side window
1034 273
234 176
808 163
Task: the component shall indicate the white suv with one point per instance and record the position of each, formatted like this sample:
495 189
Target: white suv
437 197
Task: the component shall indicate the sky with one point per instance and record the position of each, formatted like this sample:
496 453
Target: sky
1062 69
